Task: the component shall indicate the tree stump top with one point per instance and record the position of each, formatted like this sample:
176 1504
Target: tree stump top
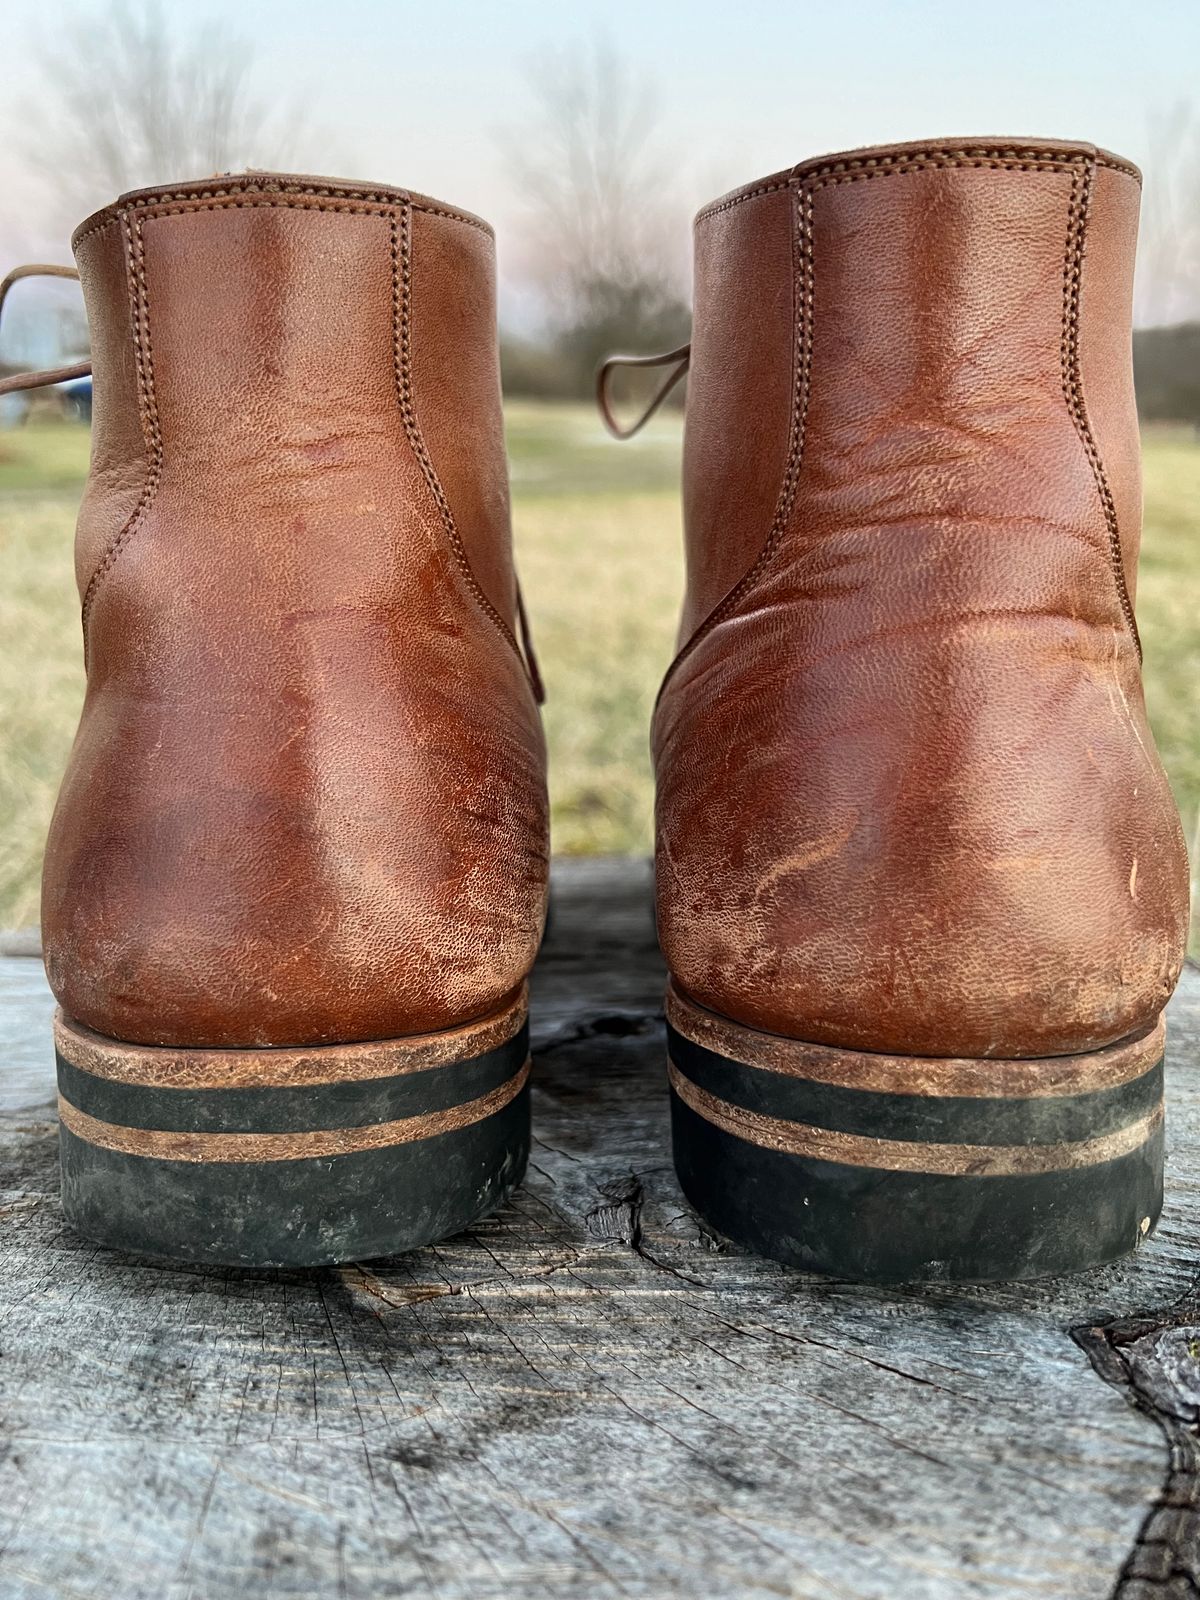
588 1394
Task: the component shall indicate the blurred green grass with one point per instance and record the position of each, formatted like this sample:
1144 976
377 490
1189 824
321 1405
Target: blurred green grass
599 549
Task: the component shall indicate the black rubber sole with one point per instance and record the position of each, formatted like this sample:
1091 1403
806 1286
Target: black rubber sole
887 1169
291 1158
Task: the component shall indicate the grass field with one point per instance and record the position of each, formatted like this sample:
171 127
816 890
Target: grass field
597 530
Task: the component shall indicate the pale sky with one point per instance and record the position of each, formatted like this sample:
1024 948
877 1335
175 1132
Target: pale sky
413 93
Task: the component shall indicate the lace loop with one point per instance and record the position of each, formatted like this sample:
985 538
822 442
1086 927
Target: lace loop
679 358
38 380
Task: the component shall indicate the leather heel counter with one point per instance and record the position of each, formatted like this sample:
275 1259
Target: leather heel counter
334 883
985 896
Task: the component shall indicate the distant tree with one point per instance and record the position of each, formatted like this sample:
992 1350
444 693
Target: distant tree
601 229
129 96
1168 278
1166 366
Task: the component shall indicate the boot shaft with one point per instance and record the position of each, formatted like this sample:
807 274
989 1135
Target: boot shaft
274 356
920 338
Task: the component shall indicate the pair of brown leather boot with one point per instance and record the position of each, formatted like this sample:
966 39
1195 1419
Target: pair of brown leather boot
921 884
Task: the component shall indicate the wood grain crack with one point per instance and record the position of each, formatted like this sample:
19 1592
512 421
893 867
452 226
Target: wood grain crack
1155 1360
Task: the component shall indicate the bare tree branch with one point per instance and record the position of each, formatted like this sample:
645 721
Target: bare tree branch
597 189
1168 278
604 240
128 99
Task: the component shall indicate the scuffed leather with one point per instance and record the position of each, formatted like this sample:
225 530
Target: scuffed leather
306 803
908 800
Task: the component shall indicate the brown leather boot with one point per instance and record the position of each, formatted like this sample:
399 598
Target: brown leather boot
921 883
296 877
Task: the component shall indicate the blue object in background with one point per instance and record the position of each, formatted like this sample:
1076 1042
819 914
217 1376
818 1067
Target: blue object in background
77 399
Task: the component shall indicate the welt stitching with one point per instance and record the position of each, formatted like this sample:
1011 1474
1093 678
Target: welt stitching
801 387
1078 212
401 247
144 361
1006 160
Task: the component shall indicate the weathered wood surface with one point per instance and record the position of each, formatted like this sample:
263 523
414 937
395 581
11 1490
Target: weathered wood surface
585 1396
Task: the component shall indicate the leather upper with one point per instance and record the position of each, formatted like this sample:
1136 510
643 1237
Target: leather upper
908 800
306 802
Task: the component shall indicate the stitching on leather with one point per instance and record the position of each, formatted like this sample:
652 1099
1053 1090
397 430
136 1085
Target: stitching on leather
996 158
97 227
970 156
401 301
221 197
801 386
1078 212
144 360
163 208
1081 167
401 244
751 194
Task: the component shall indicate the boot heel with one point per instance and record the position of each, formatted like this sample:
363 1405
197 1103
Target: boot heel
892 1169
291 1157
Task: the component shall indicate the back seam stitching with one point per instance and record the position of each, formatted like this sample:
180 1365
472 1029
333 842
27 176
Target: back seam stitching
801 387
1078 213
148 406
401 250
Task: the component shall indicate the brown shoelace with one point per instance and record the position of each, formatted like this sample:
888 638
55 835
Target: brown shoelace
679 359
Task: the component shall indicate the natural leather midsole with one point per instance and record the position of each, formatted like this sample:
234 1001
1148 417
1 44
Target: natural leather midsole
288 1066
